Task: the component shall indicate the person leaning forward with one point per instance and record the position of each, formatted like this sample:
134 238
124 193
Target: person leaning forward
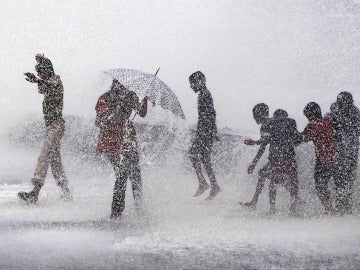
117 140
261 116
51 87
281 133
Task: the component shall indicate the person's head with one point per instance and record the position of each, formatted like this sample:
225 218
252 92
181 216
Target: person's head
280 113
39 57
261 113
197 81
344 100
312 111
117 86
44 68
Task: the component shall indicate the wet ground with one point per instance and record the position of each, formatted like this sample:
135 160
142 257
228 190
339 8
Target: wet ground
173 231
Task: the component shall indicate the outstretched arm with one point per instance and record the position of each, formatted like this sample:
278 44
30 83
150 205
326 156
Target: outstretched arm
43 85
30 77
252 142
258 156
307 135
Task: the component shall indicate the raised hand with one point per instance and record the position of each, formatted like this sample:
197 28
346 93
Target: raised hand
249 142
31 77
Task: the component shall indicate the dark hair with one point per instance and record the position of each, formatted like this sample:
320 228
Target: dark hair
260 112
261 109
197 76
44 66
311 110
344 98
280 113
115 82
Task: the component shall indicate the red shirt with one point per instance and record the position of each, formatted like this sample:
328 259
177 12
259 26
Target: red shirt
117 134
320 132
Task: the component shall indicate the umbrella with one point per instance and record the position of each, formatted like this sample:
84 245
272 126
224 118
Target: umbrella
146 84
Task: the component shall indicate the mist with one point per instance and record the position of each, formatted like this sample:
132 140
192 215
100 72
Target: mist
284 53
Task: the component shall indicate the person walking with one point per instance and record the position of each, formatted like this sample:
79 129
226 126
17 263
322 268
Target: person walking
261 116
50 86
206 132
118 141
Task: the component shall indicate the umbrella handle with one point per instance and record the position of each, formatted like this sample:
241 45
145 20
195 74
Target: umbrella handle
153 104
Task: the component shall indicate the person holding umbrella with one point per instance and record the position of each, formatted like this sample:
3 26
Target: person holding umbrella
200 151
117 140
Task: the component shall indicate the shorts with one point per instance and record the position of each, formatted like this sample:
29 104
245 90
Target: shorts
284 173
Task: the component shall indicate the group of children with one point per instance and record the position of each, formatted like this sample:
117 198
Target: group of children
335 136
336 140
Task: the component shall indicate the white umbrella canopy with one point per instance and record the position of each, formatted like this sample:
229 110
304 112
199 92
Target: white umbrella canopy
146 84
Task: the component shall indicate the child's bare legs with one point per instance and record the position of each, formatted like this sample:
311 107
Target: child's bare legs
203 185
272 195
